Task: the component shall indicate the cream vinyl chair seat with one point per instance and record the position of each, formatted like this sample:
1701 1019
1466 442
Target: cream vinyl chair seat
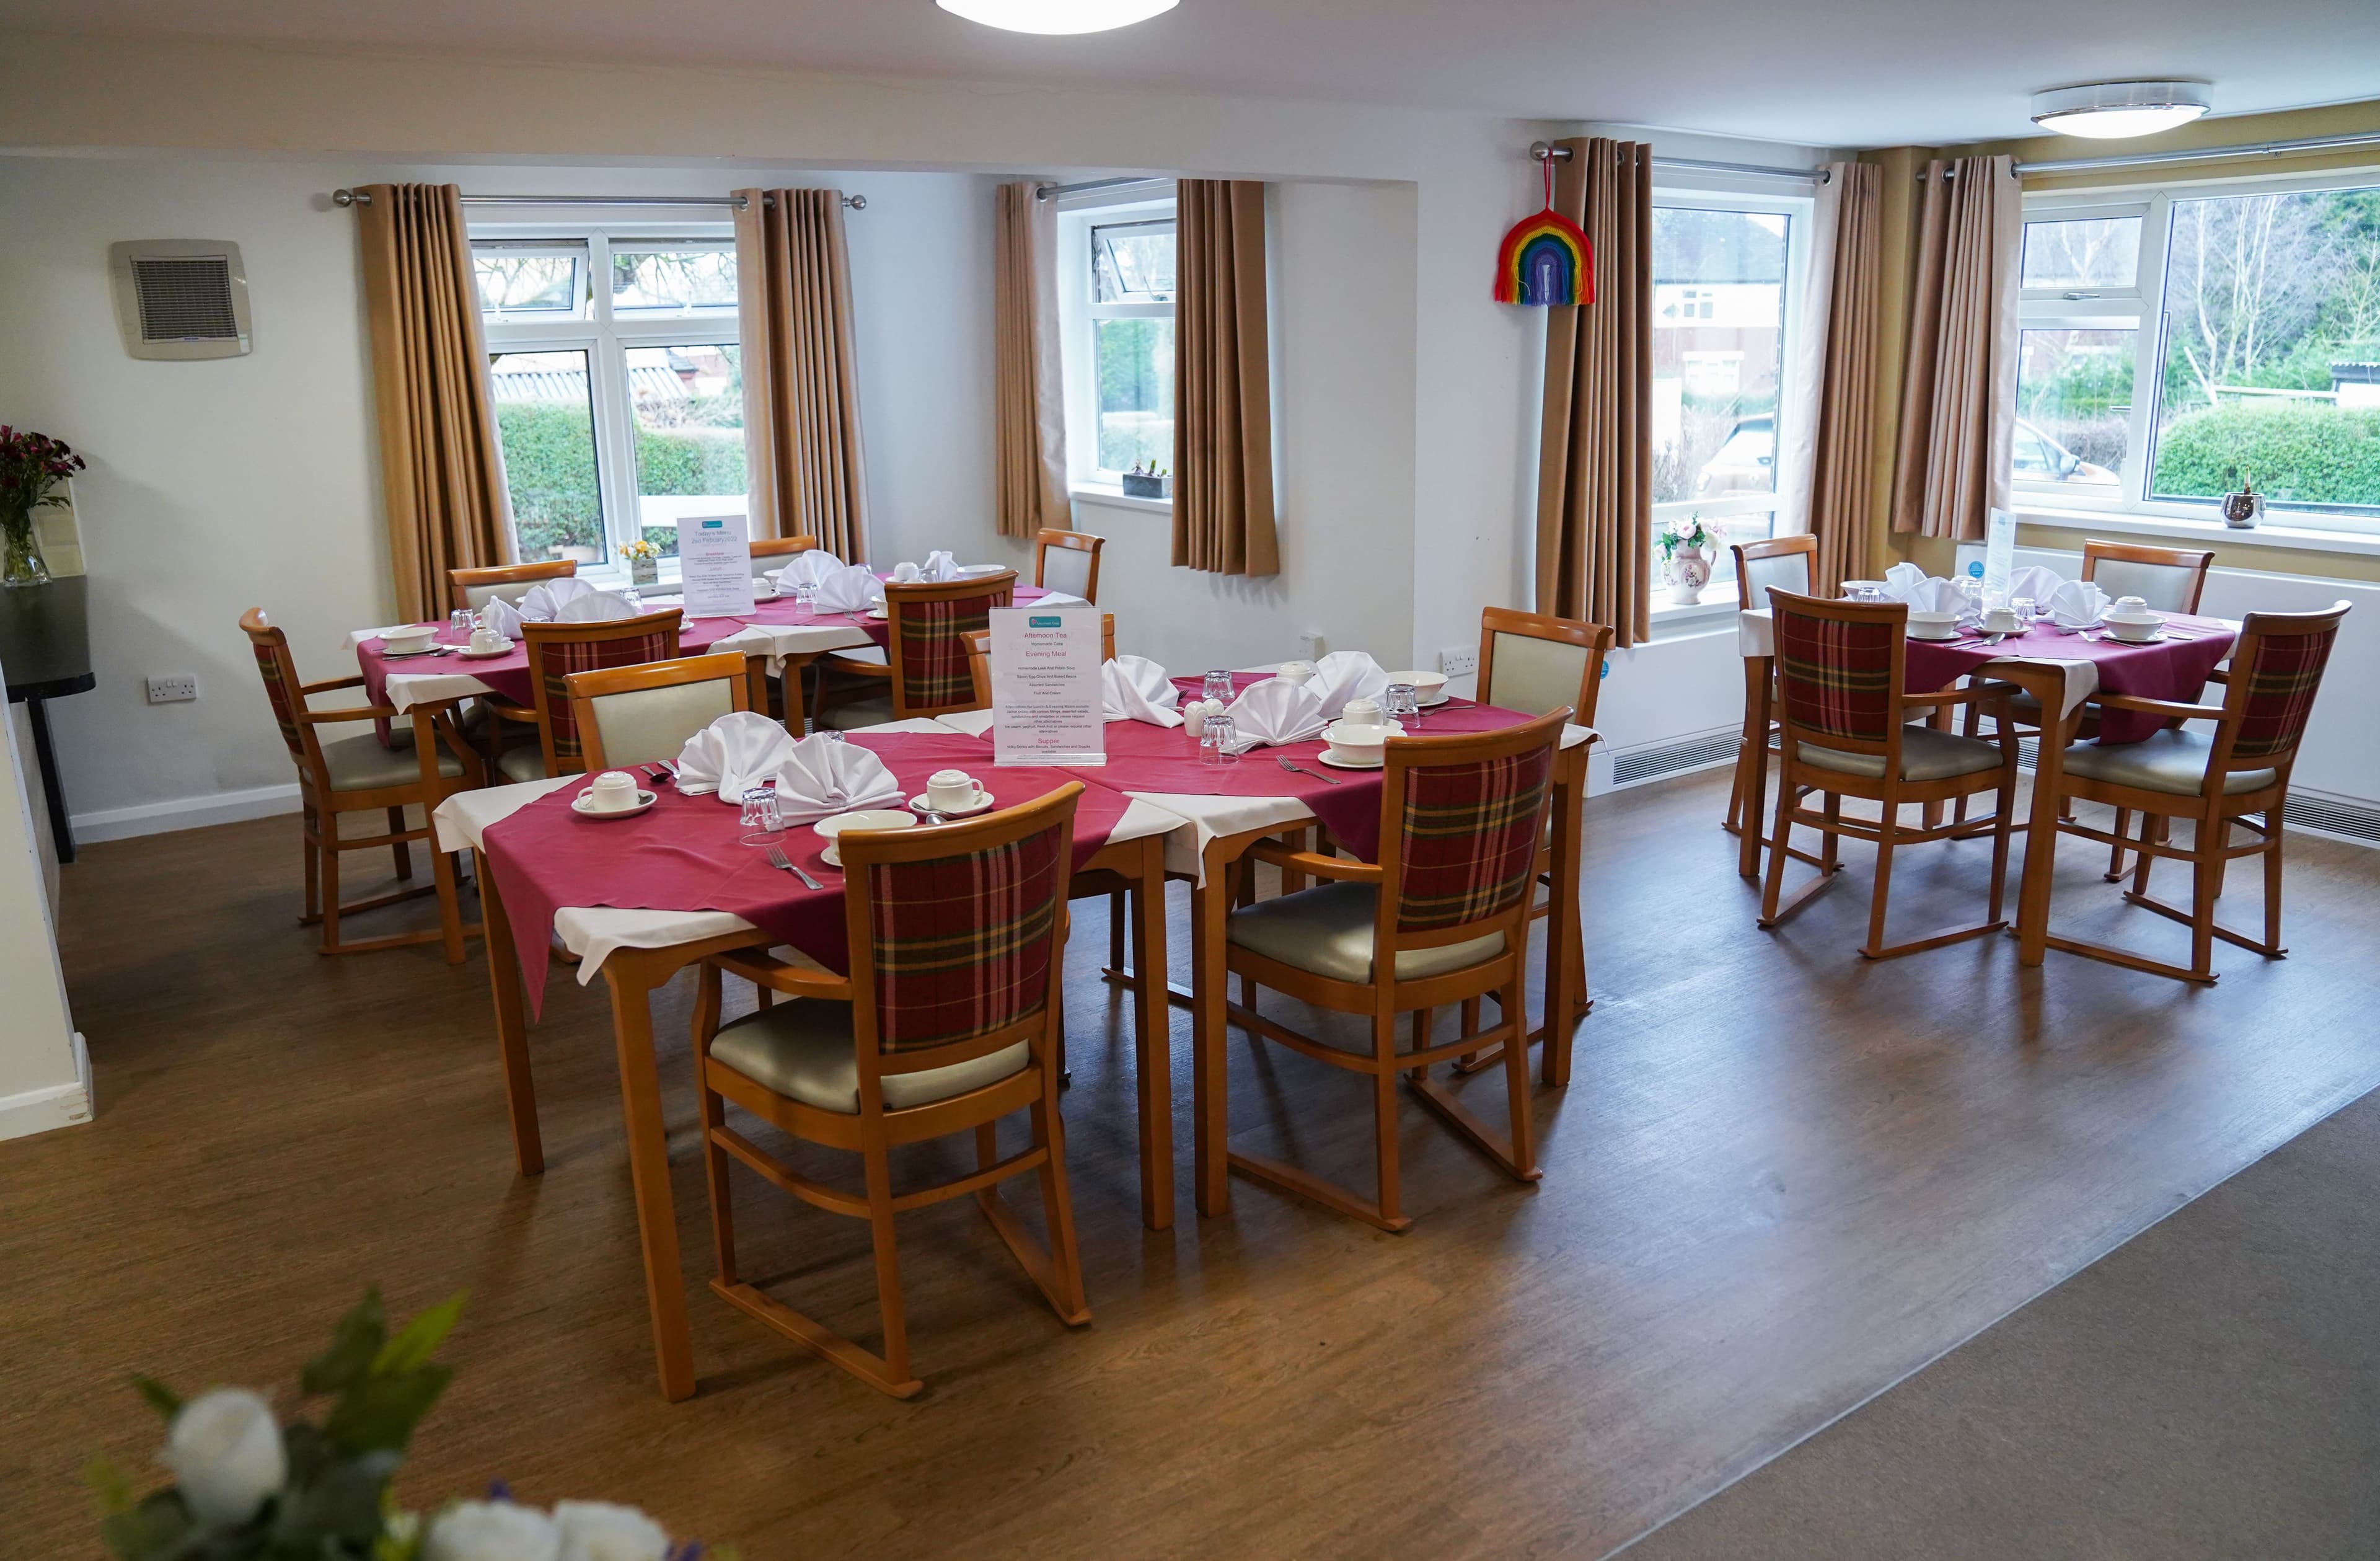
522 764
1927 754
361 763
802 1050
856 715
1327 932
2172 762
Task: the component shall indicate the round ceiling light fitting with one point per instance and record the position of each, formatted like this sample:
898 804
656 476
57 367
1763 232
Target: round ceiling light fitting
1057 16
2114 110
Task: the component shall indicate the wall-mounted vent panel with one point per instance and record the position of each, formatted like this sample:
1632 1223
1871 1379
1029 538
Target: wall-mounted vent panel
180 297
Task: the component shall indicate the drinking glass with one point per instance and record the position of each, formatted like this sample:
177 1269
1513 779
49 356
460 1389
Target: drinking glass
1218 685
763 824
460 622
1971 601
829 733
805 597
2025 608
1401 702
634 598
1215 742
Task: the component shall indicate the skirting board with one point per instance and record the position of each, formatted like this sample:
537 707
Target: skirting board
58 1105
186 812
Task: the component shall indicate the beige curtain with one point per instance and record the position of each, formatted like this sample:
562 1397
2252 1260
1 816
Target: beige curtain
1028 393
1958 405
1595 460
804 467
1826 467
441 468
1223 389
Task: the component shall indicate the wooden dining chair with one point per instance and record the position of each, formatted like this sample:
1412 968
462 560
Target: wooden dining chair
1844 710
636 714
507 582
945 1025
361 775
1785 563
1068 561
924 669
2213 780
557 649
1442 918
783 547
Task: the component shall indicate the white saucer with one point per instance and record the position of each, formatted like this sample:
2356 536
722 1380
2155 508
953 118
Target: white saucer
1433 704
470 654
387 654
644 799
2112 637
1336 764
1936 638
982 804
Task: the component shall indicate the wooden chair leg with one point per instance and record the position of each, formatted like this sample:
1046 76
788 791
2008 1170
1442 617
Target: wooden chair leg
1516 1082
308 824
2154 831
450 899
1831 857
1881 894
2273 882
401 850
2003 832
1058 1215
329 853
888 1267
2205 874
2221 829
1384 1118
1116 920
2115 874
1735 791
707 996
1787 803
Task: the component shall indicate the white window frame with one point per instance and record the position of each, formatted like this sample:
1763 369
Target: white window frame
2141 307
1078 329
606 338
1714 194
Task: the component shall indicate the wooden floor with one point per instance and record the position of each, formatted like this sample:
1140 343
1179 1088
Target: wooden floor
1780 1180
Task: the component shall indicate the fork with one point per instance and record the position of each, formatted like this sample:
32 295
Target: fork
777 858
1285 761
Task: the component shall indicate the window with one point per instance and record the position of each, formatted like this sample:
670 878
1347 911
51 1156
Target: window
620 406
1115 278
1727 273
2188 339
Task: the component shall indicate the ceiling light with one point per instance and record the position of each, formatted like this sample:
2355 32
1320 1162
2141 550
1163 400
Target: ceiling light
2111 110
1057 16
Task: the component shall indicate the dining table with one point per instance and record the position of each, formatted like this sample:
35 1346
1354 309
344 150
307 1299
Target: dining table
2062 669
638 898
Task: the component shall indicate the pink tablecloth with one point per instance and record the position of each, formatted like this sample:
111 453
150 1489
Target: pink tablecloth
2173 668
684 855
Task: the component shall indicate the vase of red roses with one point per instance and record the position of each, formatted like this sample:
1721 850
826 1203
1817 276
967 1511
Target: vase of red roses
32 467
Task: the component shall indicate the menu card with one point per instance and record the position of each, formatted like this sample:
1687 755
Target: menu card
714 562
1046 690
2000 555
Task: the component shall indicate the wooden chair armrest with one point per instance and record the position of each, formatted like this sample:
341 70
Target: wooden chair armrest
1316 863
521 715
858 669
358 712
766 970
2166 708
327 685
2220 675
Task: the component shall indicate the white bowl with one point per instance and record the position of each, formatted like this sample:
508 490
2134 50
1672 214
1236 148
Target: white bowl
1429 685
865 818
1362 745
1932 626
2133 626
417 638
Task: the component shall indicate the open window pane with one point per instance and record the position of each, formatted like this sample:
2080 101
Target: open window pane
1133 262
1719 345
527 283
2273 329
673 279
688 402
1135 390
2074 406
545 419
2083 253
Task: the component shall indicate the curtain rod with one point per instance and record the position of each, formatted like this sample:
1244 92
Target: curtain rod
357 198
2203 154
1547 151
1052 191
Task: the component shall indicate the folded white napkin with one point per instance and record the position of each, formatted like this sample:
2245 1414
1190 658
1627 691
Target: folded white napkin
819 777
502 616
2035 581
1346 675
2076 603
939 567
1275 712
1901 579
1924 592
806 569
739 748
595 607
851 588
542 601
1060 598
1137 690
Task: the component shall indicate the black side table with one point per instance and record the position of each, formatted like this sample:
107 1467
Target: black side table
46 652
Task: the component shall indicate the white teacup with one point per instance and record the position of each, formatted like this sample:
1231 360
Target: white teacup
2003 620
1295 671
2130 605
488 640
946 789
907 574
1361 712
612 790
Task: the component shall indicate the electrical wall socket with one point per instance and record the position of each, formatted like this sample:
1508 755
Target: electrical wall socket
1459 661
174 689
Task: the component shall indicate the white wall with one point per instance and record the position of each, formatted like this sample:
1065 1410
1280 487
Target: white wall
45 1073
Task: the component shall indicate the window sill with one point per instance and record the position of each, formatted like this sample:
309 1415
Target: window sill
1116 498
1673 620
2207 534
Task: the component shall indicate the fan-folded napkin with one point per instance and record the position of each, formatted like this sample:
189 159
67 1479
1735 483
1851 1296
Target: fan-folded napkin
1346 675
806 569
595 607
939 567
2035 581
1275 712
1060 598
851 589
1924 592
2075 603
815 777
1135 689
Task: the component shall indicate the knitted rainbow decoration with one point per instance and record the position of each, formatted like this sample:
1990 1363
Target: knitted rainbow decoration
1545 259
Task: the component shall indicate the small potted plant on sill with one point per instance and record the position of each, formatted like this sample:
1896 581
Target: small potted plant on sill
1155 483
31 467
1687 552
644 562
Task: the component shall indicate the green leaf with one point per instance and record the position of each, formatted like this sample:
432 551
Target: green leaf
111 1484
355 1344
342 1513
420 1339
163 1400
380 1411
158 1527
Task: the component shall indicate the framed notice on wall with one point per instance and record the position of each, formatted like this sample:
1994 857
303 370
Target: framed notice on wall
1046 690
714 561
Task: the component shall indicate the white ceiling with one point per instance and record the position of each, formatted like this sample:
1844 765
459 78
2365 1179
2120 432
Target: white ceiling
1817 72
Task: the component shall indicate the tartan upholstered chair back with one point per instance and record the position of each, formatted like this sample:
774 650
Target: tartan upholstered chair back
557 649
282 690
927 647
2276 671
1461 820
1839 668
956 933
